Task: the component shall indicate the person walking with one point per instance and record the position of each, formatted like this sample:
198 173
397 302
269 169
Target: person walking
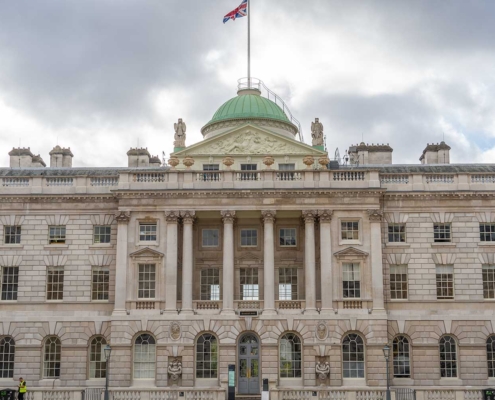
22 389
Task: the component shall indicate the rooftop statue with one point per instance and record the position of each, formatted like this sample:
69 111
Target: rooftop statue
317 132
180 133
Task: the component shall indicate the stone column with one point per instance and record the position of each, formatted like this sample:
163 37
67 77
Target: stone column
121 264
326 269
269 262
376 259
228 262
309 260
172 218
187 261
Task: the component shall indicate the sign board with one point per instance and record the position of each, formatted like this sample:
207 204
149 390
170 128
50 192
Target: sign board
231 390
489 394
7 394
248 313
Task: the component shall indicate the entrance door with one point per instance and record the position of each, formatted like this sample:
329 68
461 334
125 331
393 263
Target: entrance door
249 371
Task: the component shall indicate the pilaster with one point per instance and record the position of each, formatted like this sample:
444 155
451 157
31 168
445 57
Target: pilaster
122 219
375 217
172 218
325 217
309 217
269 262
228 261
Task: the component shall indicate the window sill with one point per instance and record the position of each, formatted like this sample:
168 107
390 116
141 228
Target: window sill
101 246
56 246
349 242
12 246
403 381
486 244
150 243
397 244
443 244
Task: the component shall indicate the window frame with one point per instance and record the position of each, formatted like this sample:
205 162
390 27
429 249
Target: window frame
362 363
59 234
7 357
213 356
490 234
17 235
400 363
296 369
55 340
285 246
442 281
50 274
359 287
106 283
252 290
401 233
108 232
143 242
439 229
244 229
102 360
455 361
147 336
213 246
341 231
488 271
490 355
401 282
152 289
209 284
294 286
8 285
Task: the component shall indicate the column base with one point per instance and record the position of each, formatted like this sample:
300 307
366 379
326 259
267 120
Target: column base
269 311
119 313
327 311
169 312
227 311
188 311
310 311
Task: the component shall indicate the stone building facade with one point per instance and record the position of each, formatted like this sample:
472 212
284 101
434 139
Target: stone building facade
249 251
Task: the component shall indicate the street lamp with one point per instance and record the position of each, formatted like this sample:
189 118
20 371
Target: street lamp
386 354
108 351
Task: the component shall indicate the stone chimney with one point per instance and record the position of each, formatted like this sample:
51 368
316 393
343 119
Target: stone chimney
370 154
155 161
61 157
138 157
436 154
23 158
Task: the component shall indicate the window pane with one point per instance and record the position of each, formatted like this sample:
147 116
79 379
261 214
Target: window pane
101 234
147 232
146 281
10 283
288 237
353 356
249 284
97 361
487 232
55 283
441 233
210 284
349 230
7 357
351 280
397 233
144 357
448 357
12 234
210 237
490 355
287 289
206 356
401 360
56 234
290 356
398 281
100 284
249 237
488 272
445 282
52 352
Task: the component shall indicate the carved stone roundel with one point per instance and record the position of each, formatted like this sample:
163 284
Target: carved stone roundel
175 331
321 331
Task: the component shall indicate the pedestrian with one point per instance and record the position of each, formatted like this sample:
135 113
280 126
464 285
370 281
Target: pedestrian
22 389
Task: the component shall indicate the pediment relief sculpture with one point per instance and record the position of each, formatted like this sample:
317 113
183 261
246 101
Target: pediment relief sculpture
351 252
146 253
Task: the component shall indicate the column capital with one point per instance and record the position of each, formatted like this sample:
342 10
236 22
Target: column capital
325 215
228 216
268 215
171 216
309 215
188 216
123 217
375 215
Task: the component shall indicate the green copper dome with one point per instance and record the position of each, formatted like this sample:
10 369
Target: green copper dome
249 104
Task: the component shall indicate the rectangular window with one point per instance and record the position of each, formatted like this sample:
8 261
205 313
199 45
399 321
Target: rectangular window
488 281
57 234
210 174
397 233
487 232
10 282
101 234
147 232
249 284
55 283
248 172
287 283
12 234
351 277
445 282
248 167
210 284
442 233
249 237
349 230
210 237
398 282
286 167
211 167
100 283
284 173
288 237
146 281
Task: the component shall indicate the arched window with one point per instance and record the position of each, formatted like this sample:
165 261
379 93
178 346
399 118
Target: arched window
401 360
448 357
490 355
97 361
7 356
144 357
52 352
290 356
206 356
353 356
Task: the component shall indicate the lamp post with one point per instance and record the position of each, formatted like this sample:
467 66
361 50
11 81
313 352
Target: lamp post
108 351
386 354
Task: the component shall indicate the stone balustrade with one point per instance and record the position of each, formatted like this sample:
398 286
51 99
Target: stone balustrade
264 179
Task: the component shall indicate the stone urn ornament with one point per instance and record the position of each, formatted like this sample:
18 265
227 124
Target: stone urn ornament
268 161
323 161
188 162
228 162
173 162
308 161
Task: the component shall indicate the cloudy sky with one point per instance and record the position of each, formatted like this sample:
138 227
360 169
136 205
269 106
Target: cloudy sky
102 76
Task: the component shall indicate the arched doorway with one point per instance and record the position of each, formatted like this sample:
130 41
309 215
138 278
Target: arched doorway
249 365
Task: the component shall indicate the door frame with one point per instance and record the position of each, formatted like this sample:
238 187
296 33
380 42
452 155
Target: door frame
237 362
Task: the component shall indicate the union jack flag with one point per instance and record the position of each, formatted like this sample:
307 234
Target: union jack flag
239 12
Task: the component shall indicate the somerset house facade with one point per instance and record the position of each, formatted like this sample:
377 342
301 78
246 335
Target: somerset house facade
253 249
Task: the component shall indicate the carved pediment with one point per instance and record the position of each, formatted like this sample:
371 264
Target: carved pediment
351 252
146 253
248 256
249 140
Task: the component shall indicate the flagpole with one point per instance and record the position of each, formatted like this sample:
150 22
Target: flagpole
249 43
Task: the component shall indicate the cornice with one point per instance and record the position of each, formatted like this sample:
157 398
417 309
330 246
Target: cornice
439 195
109 198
